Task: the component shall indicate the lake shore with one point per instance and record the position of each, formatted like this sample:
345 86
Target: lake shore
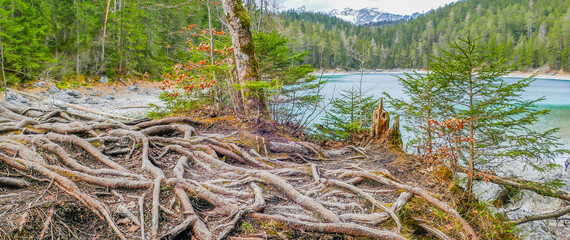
554 75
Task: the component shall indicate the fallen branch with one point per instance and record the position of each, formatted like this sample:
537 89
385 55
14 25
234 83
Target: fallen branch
520 184
542 216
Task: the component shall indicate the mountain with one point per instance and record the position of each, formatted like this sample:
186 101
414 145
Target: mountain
368 15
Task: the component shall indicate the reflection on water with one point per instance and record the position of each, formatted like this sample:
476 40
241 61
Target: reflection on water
556 92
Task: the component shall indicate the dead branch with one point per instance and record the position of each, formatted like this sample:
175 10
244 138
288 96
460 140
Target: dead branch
542 216
520 184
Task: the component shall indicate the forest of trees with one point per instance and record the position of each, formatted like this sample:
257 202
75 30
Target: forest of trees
63 39
68 39
533 33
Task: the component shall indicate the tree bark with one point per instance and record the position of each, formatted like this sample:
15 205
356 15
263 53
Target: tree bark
247 66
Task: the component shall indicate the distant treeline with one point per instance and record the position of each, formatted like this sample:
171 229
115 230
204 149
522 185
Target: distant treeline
532 33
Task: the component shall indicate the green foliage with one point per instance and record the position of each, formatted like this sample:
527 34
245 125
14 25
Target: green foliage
63 38
499 119
535 34
246 227
491 123
175 104
422 108
292 91
23 30
349 115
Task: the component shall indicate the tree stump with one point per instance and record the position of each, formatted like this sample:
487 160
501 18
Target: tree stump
380 124
380 132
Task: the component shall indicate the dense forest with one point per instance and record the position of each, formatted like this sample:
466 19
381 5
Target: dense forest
532 33
142 38
69 38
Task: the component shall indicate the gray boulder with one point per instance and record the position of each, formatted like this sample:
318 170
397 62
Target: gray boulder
531 230
134 88
486 191
53 90
60 104
73 93
104 79
95 93
90 100
16 98
109 97
63 96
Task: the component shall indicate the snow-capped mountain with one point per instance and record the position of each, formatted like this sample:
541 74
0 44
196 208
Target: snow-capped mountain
368 15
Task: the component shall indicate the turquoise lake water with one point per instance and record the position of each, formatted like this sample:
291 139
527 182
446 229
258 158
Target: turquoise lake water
556 92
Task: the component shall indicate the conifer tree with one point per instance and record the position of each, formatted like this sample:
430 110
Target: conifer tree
467 85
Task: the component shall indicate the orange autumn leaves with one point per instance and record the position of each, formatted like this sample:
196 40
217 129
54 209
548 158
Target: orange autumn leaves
204 60
446 138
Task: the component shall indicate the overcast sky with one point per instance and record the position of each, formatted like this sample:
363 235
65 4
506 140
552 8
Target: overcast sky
404 7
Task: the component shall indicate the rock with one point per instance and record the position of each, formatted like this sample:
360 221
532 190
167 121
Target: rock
95 93
531 230
109 97
538 203
114 88
486 192
104 79
40 84
90 100
60 104
65 97
16 98
134 88
53 90
73 93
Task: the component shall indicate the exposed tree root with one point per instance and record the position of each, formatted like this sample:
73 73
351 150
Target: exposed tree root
205 184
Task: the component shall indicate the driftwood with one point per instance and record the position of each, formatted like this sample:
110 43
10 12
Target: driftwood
205 184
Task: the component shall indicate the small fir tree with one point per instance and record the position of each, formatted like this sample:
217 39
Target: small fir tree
422 109
342 122
470 89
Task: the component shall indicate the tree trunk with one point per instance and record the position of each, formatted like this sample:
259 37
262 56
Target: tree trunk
104 32
247 66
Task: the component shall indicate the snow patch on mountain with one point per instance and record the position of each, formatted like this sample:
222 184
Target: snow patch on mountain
368 15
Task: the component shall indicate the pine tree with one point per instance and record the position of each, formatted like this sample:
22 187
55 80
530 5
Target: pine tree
499 122
342 122
424 106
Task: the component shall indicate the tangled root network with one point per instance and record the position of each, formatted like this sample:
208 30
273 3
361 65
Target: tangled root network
163 179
